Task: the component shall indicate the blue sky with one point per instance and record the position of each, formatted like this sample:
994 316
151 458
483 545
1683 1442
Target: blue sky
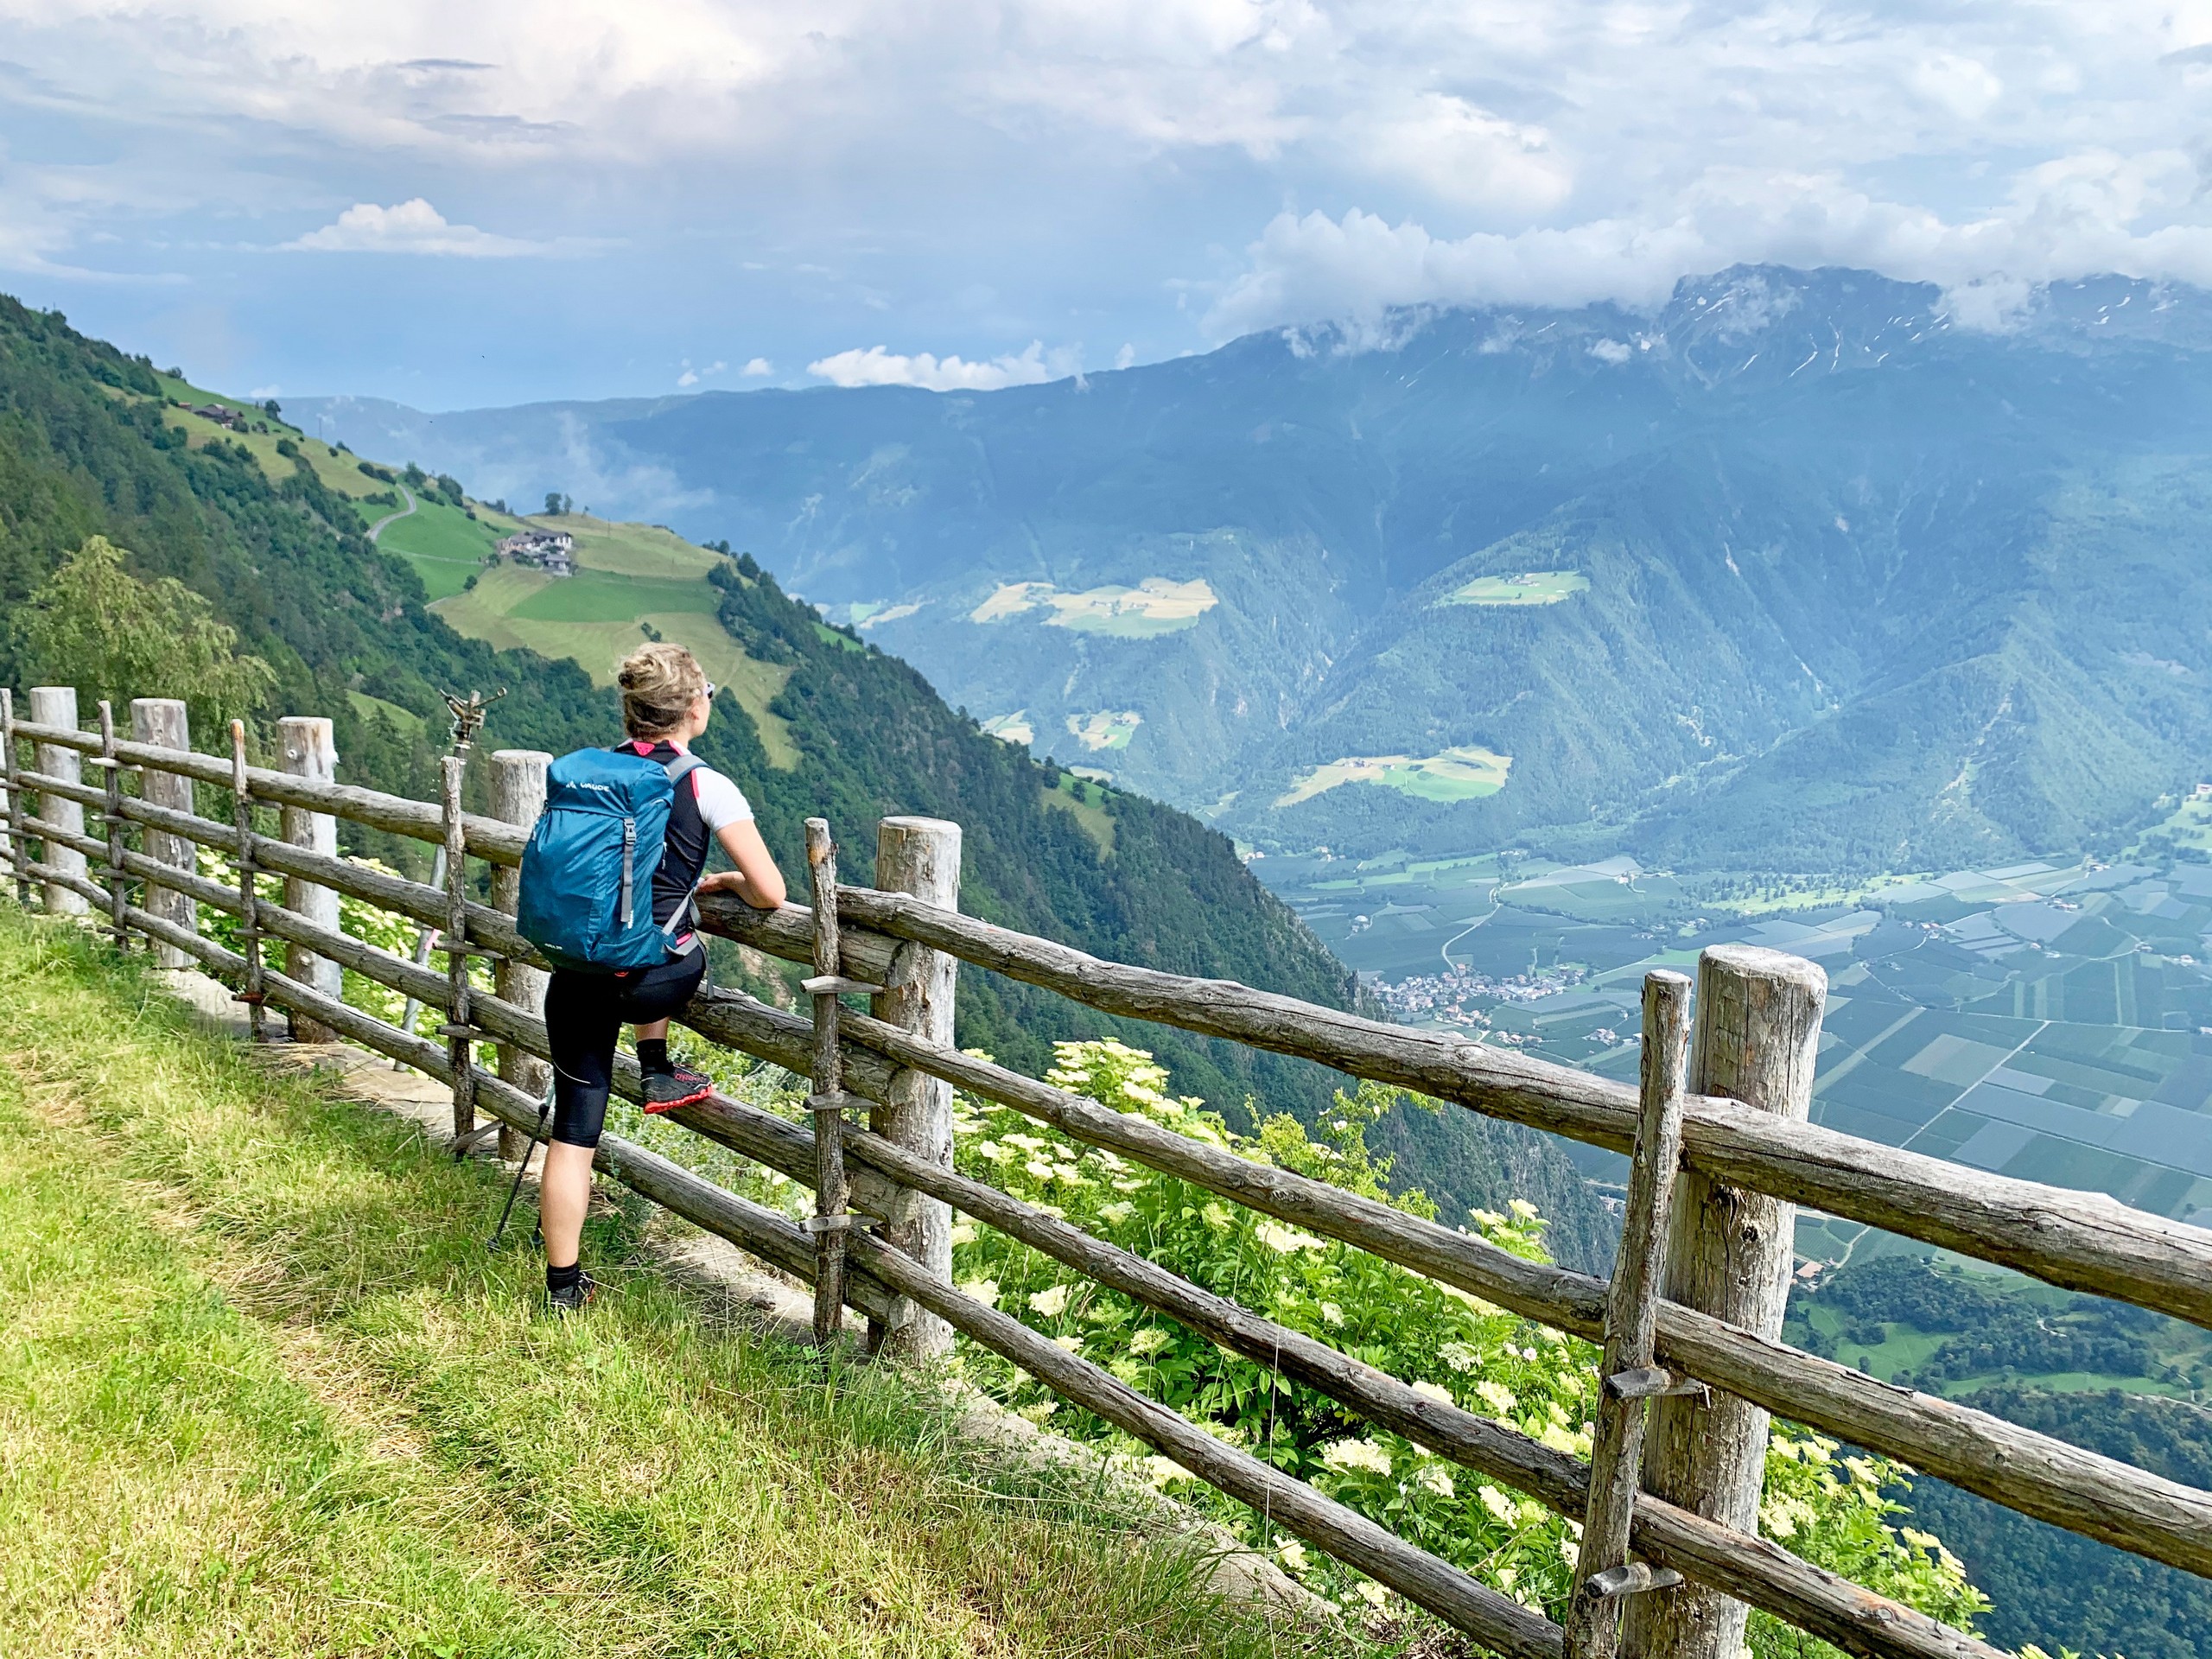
492 203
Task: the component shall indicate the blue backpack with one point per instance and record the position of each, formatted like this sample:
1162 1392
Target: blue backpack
587 871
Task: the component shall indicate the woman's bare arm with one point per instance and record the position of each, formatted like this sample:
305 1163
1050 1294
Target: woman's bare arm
756 879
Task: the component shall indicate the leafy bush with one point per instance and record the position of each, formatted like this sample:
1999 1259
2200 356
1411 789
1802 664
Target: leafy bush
1828 1508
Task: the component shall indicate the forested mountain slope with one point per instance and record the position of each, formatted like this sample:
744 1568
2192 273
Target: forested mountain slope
88 447
1800 570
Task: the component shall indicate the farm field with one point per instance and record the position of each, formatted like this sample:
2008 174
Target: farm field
1457 774
1011 728
1523 587
1155 605
630 578
267 1392
1109 728
2051 1021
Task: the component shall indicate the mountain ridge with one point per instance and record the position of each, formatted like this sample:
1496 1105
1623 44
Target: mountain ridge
1802 492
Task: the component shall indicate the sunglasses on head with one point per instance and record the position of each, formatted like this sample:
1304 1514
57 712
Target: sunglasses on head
711 689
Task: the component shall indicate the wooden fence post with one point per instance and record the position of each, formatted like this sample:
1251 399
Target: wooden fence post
162 722
310 750
1603 1573
518 797
118 894
1729 1251
830 1220
254 996
920 856
18 853
460 1046
56 705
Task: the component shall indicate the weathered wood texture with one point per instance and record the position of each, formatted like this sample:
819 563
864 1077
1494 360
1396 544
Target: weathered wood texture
920 856
254 994
2082 1241
1728 1254
164 723
309 748
10 773
1632 1316
111 821
517 780
828 1070
54 708
458 1045
488 838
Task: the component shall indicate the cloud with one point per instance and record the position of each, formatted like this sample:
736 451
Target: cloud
877 367
408 228
2091 212
757 368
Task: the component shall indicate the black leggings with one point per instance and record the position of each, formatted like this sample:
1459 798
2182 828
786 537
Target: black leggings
584 1013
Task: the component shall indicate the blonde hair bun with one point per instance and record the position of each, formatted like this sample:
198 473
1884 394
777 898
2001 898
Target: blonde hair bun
659 683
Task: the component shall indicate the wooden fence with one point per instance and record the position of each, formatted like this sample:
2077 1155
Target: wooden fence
1690 1321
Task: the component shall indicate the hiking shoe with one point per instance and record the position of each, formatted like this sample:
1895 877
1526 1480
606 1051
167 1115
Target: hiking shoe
666 1090
570 1298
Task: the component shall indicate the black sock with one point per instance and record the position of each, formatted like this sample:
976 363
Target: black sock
564 1278
653 1055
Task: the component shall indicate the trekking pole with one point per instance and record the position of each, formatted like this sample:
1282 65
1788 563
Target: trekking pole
545 1111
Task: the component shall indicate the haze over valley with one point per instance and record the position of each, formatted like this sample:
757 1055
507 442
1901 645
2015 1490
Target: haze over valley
1802 571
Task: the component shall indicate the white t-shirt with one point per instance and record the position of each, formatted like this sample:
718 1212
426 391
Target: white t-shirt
721 802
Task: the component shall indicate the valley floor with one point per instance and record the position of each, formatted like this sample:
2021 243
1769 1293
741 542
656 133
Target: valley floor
264 1391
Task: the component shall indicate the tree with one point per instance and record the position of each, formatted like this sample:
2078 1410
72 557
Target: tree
93 625
273 410
553 504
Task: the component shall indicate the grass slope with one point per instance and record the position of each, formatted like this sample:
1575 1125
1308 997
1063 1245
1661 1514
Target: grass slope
629 579
262 1391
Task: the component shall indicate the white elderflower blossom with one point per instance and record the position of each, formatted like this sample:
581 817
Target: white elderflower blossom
1521 1208
963 1232
1040 1170
1052 1302
1436 1477
1569 1551
1216 1217
1435 1391
1345 1456
1332 1314
1116 1212
1283 1240
1074 1344
1781 1517
1459 1357
985 1291
1495 1395
1292 1553
1150 1340
1376 1596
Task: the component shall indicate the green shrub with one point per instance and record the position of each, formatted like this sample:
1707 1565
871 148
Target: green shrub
1828 1508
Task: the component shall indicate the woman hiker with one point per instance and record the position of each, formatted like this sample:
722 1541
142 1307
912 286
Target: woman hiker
666 702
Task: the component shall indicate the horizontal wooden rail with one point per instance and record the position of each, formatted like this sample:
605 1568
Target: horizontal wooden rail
488 838
2037 1474
2082 1241
1829 1606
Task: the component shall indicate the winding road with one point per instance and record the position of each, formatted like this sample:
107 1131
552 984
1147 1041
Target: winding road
377 528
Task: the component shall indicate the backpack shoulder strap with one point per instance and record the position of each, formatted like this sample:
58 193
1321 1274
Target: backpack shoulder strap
679 769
